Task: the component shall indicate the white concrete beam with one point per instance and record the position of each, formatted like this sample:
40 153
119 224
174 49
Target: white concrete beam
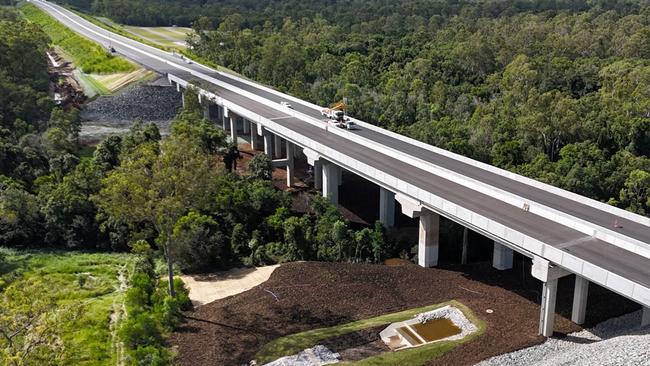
544 271
330 182
580 294
547 309
279 163
311 155
501 257
410 207
428 242
386 207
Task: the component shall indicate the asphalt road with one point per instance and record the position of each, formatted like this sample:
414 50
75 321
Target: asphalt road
607 256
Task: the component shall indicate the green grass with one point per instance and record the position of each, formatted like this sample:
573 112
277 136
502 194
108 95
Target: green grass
295 343
87 340
87 55
161 35
90 85
119 29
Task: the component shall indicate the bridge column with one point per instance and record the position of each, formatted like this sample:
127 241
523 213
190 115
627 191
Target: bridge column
277 146
268 144
318 174
224 119
580 293
330 182
549 274
547 311
463 256
246 126
428 242
501 257
386 207
339 173
233 128
645 317
206 111
290 170
253 135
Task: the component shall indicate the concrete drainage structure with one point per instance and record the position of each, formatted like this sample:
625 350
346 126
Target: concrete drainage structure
409 333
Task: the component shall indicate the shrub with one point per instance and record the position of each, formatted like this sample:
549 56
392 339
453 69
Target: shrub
141 330
149 356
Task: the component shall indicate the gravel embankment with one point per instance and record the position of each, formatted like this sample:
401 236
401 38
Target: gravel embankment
154 101
618 341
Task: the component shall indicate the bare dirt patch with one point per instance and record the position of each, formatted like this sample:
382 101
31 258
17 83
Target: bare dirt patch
206 288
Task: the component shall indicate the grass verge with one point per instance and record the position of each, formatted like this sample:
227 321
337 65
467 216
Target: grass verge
295 343
87 280
119 29
87 55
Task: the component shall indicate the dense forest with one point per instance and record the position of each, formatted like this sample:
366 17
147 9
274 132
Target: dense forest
555 90
171 193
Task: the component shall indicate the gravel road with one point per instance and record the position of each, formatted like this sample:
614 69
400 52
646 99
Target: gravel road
615 342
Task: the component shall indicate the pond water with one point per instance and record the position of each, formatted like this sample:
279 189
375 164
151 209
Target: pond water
436 329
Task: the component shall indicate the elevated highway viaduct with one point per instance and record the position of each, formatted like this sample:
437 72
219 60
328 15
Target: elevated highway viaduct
563 233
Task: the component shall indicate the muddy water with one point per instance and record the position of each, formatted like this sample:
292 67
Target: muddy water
436 329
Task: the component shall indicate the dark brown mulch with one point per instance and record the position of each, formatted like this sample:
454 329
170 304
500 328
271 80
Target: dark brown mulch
313 294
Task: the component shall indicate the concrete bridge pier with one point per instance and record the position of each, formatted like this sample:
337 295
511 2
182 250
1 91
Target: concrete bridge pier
429 231
277 146
233 127
253 135
501 257
246 126
224 119
580 293
318 174
463 256
331 182
290 169
429 239
268 143
206 111
549 275
645 318
386 207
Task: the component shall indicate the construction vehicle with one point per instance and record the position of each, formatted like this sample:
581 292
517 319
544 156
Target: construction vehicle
336 112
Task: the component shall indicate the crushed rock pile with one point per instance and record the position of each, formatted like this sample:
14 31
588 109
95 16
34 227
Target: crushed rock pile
155 101
615 342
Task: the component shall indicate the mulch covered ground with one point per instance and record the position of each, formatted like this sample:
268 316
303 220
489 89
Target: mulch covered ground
307 295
